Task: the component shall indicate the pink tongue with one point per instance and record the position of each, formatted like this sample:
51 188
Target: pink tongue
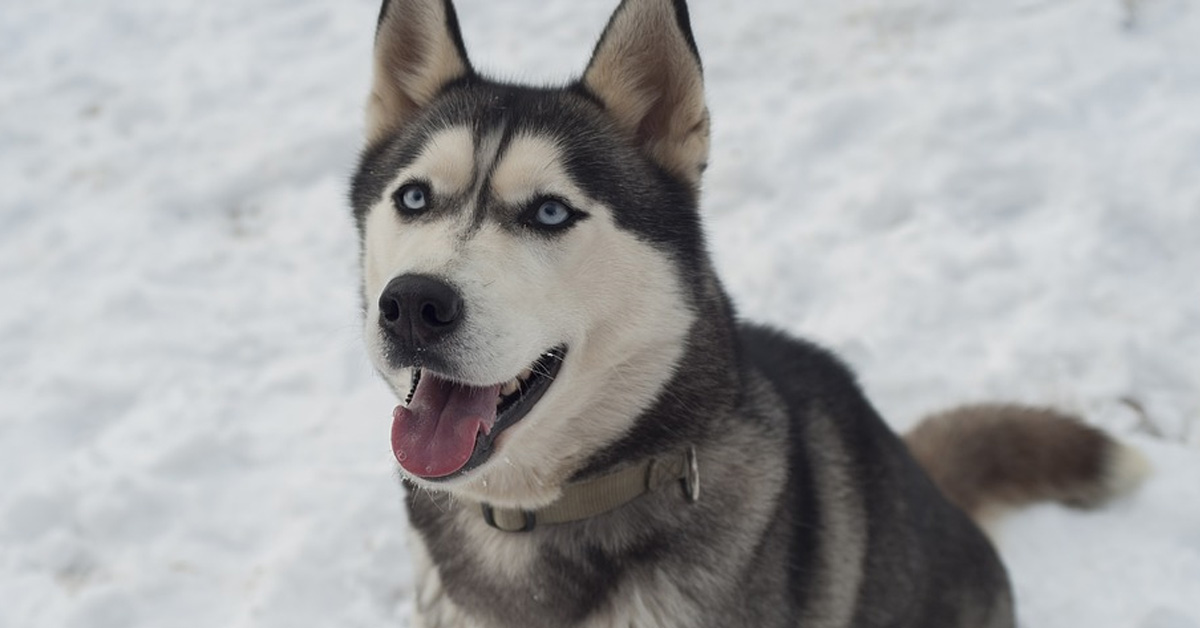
434 435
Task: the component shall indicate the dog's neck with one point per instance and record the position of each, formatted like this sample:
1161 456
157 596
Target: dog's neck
687 408
585 499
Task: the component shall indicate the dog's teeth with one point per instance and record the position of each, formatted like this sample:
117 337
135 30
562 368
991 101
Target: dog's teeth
412 389
509 388
526 374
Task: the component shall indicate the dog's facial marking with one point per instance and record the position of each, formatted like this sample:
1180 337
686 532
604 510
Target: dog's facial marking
532 192
446 161
540 264
392 245
531 165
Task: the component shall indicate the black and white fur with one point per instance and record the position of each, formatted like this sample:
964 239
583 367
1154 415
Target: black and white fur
813 513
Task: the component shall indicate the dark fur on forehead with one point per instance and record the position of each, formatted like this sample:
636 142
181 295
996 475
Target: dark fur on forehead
645 199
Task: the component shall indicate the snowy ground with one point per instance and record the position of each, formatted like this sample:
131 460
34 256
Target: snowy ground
967 199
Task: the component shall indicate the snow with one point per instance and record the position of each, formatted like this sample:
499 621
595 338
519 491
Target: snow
967 200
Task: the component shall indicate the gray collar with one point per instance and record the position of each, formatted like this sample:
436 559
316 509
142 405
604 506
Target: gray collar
598 495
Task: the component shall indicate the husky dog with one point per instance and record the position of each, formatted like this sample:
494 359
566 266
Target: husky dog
589 437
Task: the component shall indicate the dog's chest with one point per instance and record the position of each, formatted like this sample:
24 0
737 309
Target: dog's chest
638 607
526 591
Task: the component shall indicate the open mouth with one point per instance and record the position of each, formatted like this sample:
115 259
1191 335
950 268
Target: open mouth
446 428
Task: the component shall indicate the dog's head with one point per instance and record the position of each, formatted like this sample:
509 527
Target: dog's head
530 255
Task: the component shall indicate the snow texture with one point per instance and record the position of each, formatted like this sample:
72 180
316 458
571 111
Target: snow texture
968 200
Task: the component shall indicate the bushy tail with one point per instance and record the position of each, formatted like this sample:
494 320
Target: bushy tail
987 457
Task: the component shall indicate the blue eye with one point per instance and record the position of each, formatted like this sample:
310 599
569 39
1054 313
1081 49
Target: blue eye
411 198
550 216
552 213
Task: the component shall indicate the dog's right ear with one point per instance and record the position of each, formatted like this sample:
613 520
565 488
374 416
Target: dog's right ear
418 51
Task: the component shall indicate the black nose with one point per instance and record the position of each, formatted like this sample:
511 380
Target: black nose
419 310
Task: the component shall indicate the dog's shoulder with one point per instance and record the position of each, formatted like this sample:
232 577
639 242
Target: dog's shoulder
801 372
784 358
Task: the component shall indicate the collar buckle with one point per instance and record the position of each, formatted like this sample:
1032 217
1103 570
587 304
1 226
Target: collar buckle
528 524
691 478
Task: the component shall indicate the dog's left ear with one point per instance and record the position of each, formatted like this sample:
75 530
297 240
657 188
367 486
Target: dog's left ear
646 70
418 51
